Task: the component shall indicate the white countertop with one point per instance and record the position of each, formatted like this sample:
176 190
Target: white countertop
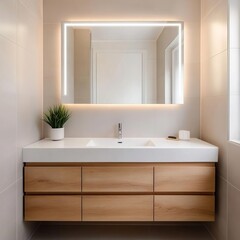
130 150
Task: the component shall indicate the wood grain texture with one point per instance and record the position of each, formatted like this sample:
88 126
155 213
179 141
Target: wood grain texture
117 208
52 208
184 178
52 179
119 192
183 208
117 179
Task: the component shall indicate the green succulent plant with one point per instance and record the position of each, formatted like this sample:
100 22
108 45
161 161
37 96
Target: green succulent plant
56 116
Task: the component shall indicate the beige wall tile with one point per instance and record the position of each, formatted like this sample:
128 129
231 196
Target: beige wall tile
29 104
208 6
214 29
219 227
216 75
233 213
8 213
27 32
35 6
52 64
234 164
214 127
24 229
8 19
191 80
214 118
8 128
52 51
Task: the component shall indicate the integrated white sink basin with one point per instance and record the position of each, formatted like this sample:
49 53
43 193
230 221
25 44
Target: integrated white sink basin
120 143
130 150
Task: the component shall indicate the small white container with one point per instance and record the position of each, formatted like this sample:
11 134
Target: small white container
184 135
56 134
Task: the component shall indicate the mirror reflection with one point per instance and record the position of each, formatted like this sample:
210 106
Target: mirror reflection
122 63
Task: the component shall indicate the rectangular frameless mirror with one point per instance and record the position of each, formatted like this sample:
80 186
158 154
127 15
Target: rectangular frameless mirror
122 62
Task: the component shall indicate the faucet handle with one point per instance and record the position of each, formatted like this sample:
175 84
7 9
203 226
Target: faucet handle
119 132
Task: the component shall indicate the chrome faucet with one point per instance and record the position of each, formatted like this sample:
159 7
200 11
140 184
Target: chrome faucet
120 131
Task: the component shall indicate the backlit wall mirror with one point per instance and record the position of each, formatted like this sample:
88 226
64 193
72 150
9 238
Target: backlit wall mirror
122 62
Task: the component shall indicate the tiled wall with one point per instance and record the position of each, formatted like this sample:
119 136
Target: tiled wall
21 105
138 121
215 114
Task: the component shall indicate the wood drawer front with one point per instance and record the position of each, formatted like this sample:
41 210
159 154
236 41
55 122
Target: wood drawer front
117 208
184 178
117 179
52 208
184 208
52 179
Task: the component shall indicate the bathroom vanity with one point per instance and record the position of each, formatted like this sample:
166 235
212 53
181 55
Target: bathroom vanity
140 179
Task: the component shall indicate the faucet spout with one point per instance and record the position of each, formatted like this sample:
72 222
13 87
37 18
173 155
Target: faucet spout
119 130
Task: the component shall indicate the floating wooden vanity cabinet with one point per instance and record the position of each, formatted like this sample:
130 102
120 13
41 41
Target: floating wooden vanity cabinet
183 208
117 179
184 178
52 179
119 191
53 208
49 193
117 208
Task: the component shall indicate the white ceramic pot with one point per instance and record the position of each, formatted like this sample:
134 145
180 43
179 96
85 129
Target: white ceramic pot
56 134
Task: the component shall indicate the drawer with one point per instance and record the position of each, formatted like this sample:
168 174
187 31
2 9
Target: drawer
52 179
183 208
52 208
117 179
117 208
184 178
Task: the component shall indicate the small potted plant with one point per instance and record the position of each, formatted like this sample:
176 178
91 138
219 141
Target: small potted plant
56 117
